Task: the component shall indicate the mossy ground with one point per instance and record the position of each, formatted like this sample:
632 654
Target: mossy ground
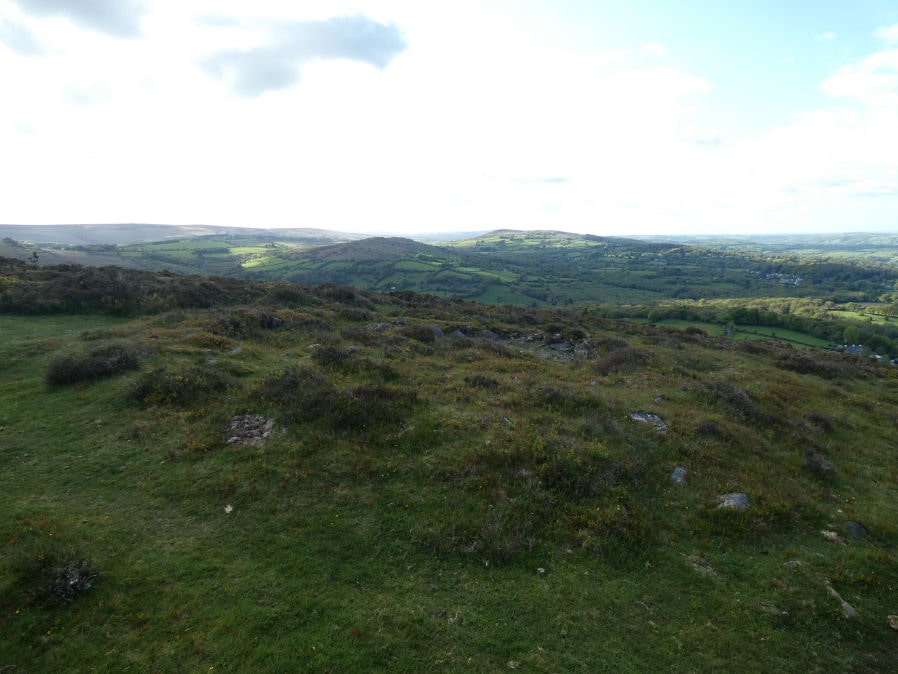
460 504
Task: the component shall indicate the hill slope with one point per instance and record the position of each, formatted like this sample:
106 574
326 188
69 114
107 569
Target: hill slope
324 478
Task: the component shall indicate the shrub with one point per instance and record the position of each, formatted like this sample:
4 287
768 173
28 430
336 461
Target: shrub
300 393
565 401
372 407
480 381
807 364
735 399
821 421
54 578
421 333
622 360
331 356
819 466
104 361
195 384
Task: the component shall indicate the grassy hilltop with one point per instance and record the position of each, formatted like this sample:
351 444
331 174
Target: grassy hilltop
228 475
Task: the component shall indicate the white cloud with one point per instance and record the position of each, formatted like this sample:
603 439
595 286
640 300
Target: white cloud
873 81
655 48
888 34
478 123
824 37
120 18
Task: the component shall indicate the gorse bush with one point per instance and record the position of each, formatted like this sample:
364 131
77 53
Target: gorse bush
181 387
99 363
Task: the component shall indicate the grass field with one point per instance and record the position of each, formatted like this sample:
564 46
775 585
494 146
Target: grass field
455 504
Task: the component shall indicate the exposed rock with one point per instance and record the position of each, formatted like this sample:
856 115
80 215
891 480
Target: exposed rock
893 621
847 609
561 346
856 529
736 501
249 429
678 476
436 331
649 418
832 537
702 565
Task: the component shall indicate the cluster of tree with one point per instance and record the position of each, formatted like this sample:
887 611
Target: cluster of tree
807 316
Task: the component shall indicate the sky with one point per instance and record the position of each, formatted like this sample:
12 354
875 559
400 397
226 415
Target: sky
410 117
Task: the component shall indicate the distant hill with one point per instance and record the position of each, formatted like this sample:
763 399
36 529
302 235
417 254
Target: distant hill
502 267
125 234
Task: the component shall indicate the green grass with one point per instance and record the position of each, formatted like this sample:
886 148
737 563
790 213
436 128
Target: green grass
527 525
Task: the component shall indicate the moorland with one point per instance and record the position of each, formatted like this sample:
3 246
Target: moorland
523 451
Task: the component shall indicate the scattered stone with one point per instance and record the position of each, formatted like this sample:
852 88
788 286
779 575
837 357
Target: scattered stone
678 476
847 609
832 537
489 334
436 331
249 429
856 529
772 609
736 501
382 326
400 320
660 398
793 564
893 622
649 418
228 509
212 361
702 565
583 352
561 346
236 350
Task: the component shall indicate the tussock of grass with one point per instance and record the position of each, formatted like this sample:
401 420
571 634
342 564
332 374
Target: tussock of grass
99 363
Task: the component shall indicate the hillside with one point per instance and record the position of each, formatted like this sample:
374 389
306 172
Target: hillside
245 476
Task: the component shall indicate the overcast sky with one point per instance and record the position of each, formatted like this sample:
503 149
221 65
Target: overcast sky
414 116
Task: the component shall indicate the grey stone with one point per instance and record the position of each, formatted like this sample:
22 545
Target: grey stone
678 476
856 529
736 501
649 418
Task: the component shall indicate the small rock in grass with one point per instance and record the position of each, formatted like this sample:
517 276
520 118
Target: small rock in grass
856 529
737 501
832 536
678 476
